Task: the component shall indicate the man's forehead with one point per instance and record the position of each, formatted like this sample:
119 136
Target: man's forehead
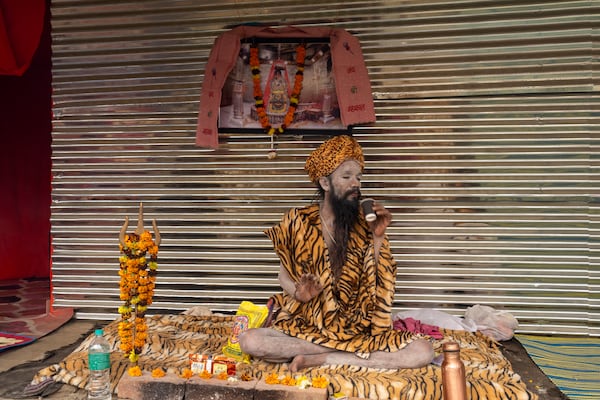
350 165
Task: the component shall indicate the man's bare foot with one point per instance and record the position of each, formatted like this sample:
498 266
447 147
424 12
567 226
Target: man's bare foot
296 364
302 361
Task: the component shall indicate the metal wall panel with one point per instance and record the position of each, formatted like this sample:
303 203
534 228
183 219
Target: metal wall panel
485 149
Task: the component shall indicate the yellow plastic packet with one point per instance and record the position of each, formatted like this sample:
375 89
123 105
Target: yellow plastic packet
248 316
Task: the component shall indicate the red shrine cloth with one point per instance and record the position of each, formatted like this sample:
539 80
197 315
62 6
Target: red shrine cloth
416 326
21 25
353 86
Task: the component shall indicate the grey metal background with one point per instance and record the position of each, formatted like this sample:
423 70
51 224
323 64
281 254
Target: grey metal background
485 149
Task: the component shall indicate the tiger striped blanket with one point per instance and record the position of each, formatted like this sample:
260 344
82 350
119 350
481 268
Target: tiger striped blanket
171 338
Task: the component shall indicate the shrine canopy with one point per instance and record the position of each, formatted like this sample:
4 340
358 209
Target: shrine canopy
21 25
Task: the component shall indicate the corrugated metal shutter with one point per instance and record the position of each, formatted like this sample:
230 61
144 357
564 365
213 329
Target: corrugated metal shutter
485 149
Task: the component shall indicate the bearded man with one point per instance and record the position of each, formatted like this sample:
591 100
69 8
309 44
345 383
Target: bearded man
338 277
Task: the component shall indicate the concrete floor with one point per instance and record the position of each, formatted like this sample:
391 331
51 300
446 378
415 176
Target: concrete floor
20 364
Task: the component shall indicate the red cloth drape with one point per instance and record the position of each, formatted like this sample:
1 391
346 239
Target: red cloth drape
25 133
21 24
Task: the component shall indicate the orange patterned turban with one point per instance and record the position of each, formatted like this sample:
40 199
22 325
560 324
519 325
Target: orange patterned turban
328 156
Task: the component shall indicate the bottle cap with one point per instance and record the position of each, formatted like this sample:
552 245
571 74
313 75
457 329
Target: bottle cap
451 346
99 332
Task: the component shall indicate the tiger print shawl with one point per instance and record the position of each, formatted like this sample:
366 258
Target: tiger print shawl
355 314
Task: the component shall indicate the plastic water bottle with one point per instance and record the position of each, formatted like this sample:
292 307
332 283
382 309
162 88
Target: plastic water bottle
99 363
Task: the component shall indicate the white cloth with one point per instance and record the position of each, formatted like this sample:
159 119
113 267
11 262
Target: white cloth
499 325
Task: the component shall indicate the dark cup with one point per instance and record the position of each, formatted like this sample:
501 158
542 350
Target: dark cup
367 207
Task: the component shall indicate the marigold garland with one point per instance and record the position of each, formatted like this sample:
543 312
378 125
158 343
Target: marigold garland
138 270
258 94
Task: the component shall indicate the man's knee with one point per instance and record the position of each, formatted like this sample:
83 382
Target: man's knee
250 341
423 352
245 341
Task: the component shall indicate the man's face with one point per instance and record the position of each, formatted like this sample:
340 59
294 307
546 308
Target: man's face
345 184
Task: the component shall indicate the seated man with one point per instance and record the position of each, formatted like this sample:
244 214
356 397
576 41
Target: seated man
338 277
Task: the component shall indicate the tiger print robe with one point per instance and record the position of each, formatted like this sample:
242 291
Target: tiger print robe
354 315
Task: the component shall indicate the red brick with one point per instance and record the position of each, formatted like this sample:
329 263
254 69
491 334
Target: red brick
172 387
265 391
145 387
211 389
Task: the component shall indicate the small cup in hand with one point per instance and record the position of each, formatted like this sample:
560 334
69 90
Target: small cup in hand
367 207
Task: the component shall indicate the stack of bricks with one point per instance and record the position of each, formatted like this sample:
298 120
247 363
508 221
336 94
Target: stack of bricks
172 387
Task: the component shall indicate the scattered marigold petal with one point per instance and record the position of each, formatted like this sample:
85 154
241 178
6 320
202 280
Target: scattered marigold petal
187 373
272 379
320 382
246 377
158 373
288 381
223 375
205 374
135 371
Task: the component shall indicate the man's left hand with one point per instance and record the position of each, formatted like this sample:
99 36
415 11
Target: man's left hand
384 218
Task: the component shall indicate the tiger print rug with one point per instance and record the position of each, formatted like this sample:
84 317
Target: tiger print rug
171 338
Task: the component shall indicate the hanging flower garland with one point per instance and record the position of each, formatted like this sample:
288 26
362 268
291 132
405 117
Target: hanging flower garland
258 94
138 270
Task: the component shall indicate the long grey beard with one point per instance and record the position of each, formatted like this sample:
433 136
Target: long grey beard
346 216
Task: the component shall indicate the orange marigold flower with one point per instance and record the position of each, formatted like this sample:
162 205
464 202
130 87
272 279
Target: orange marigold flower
187 373
246 377
272 379
223 375
320 382
135 371
289 381
205 374
158 373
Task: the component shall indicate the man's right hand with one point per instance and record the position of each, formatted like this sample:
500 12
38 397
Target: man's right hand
307 288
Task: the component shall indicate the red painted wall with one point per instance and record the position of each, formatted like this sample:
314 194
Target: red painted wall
25 166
